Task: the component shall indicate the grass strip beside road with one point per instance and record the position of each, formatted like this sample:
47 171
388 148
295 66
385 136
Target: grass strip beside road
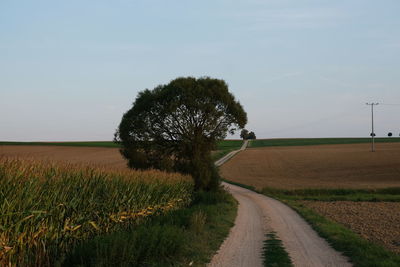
224 147
360 251
317 141
384 194
189 236
274 253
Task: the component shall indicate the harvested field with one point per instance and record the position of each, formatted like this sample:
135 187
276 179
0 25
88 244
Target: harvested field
325 166
375 221
104 157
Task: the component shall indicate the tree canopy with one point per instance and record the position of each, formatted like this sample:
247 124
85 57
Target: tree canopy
175 126
251 135
244 134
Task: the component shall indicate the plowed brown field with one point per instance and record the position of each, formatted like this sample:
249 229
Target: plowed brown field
324 166
99 156
375 221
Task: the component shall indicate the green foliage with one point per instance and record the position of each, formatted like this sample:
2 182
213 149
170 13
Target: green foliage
340 194
251 136
174 127
244 134
252 188
189 235
46 209
317 141
274 253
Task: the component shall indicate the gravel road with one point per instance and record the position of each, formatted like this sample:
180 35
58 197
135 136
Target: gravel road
257 215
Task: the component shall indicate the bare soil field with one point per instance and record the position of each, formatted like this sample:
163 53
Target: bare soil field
324 166
99 156
374 221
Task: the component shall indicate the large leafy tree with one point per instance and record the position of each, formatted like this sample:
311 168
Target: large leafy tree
175 126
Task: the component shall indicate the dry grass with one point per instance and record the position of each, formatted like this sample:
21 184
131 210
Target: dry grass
374 221
325 166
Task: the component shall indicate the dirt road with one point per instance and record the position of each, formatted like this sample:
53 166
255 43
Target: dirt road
231 154
257 215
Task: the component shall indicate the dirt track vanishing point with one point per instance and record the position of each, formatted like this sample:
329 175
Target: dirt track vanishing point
257 215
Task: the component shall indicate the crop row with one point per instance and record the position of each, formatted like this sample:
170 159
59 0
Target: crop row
46 209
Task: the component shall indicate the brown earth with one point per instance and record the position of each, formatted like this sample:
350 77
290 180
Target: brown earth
324 166
375 221
104 157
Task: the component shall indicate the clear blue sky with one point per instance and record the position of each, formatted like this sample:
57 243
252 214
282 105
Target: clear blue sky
69 69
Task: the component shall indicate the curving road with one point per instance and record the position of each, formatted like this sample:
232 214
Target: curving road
257 215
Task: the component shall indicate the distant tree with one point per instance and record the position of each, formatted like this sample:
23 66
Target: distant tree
390 134
244 134
251 135
175 126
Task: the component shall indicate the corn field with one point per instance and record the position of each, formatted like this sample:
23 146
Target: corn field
47 208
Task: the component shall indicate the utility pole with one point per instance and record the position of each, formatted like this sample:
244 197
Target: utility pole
373 132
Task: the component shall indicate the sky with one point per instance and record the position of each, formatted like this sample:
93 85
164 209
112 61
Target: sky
300 68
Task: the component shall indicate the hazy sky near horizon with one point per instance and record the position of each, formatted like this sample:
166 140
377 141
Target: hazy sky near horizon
70 69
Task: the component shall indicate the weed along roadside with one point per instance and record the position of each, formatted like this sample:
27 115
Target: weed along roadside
274 253
188 236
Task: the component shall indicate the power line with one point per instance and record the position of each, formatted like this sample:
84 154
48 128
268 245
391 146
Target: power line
372 120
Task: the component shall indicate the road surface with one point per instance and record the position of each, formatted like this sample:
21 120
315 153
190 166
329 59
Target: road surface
258 215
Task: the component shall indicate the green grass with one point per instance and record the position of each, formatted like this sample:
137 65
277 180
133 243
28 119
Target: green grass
184 237
386 194
360 251
226 146
274 253
229 144
317 141
252 188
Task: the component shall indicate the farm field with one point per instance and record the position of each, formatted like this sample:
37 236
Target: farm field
109 158
374 221
325 166
83 233
317 141
80 143
222 145
348 194
104 154
49 208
